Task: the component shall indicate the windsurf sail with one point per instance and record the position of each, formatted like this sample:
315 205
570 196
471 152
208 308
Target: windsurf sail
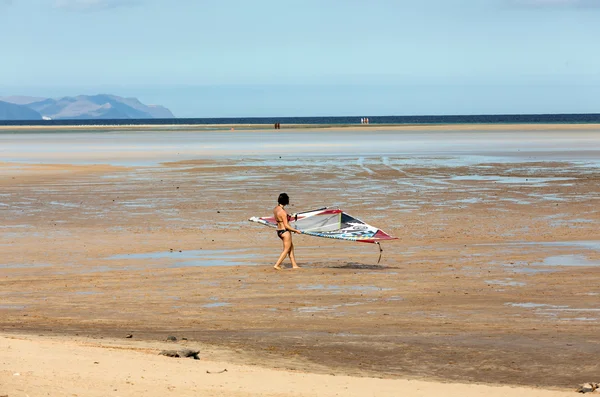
331 223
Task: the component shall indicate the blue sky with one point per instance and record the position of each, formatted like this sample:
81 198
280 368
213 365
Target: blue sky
227 58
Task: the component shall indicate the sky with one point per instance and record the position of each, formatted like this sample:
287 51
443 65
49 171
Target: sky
239 58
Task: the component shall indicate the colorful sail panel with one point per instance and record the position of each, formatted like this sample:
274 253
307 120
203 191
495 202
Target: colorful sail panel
331 223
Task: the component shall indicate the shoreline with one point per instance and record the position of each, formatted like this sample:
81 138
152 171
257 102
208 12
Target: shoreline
354 127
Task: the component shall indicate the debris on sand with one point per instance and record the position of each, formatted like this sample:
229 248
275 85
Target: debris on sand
171 338
216 372
181 353
588 387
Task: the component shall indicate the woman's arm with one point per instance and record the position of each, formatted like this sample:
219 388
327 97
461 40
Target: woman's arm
287 225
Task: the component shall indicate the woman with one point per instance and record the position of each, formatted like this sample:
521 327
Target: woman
284 231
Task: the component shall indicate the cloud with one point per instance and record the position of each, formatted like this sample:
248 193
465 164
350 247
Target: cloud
91 5
557 3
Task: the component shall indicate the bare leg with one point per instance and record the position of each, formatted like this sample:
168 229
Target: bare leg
293 256
287 244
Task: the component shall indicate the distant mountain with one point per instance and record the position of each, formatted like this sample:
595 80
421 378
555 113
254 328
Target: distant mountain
20 99
10 111
83 107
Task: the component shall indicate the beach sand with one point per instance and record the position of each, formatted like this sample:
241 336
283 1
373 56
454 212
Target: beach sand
99 368
493 279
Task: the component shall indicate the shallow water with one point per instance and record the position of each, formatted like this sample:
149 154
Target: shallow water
340 288
193 258
131 148
568 260
506 283
23 266
12 307
192 254
587 244
509 179
591 244
556 312
530 305
525 269
216 304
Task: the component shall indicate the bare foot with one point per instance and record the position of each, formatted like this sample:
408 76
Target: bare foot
296 267
277 268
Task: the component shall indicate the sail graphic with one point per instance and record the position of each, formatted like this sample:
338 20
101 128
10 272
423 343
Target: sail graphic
331 223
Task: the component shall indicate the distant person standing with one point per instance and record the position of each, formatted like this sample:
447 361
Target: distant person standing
362 120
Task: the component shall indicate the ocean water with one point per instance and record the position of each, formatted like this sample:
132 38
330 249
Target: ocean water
338 120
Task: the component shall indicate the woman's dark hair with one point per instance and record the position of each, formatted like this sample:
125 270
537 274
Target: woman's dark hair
283 199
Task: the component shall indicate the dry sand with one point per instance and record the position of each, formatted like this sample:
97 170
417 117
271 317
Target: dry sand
35 366
494 278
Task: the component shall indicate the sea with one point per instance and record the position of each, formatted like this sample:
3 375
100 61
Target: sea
333 120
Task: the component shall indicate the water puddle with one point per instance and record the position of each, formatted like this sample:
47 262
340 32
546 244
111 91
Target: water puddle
516 201
208 263
216 304
568 260
23 266
592 245
570 223
547 197
194 258
210 283
523 268
508 282
12 307
338 288
429 314
86 293
530 305
554 311
576 259
473 200
62 204
133 204
193 254
317 309
394 299
509 179
319 287
332 308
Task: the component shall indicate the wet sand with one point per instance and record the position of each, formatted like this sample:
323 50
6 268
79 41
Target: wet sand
494 278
